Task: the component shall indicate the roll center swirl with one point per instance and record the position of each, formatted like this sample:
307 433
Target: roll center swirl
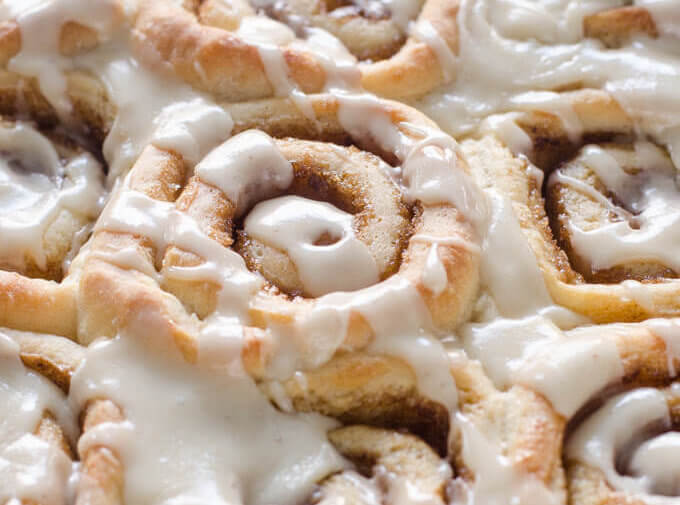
617 194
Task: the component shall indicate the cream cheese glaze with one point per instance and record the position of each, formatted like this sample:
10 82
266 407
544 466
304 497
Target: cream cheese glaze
208 436
295 225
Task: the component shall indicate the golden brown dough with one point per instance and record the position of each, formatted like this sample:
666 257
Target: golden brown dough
616 26
201 42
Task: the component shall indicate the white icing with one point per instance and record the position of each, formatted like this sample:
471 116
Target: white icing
505 127
133 212
403 491
246 168
665 14
669 331
434 274
429 360
151 107
208 436
403 11
657 459
601 437
176 118
263 30
35 187
534 352
30 468
294 224
429 158
339 64
504 239
43 20
393 308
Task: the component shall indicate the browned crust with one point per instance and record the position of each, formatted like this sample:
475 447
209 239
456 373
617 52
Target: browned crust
402 455
37 305
415 69
53 357
614 27
217 61
376 390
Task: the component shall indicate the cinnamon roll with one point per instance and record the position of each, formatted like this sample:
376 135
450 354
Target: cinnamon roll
38 425
597 203
249 50
291 261
422 243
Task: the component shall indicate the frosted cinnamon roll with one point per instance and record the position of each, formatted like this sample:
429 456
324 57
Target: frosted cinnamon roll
286 262
598 204
323 235
37 426
239 50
